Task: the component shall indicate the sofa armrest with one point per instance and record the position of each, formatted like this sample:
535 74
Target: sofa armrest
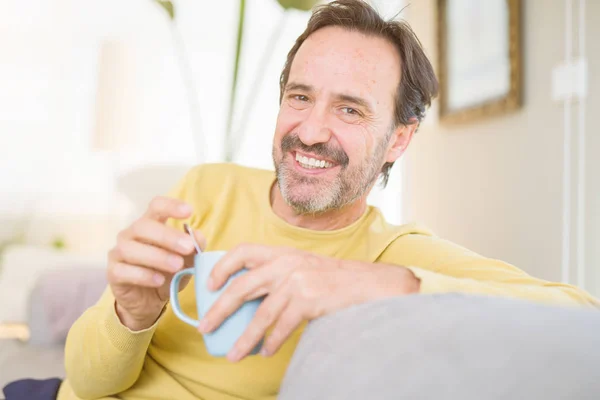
448 346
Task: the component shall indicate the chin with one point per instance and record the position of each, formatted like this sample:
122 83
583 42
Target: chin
300 192
308 198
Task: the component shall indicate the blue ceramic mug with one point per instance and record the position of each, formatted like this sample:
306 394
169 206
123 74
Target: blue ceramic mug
221 340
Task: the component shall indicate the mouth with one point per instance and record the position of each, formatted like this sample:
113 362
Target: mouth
310 164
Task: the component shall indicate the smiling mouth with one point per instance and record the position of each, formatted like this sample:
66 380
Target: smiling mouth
312 163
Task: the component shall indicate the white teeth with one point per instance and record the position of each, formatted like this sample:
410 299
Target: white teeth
312 162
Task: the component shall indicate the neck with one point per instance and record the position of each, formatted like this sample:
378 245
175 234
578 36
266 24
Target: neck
326 221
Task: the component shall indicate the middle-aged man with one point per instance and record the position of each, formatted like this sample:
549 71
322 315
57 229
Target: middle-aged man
353 91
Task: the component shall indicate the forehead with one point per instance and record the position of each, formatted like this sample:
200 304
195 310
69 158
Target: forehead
339 59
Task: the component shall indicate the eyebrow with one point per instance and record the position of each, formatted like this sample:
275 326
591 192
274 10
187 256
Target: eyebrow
359 101
298 86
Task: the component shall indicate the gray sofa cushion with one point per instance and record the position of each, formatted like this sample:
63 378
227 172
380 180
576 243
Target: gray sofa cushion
448 347
59 298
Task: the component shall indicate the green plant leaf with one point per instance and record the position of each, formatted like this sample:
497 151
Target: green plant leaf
236 67
167 5
302 5
59 243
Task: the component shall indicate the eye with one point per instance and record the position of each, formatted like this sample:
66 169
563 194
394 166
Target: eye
298 101
349 114
350 110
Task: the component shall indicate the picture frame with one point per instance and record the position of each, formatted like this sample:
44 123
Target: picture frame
480 65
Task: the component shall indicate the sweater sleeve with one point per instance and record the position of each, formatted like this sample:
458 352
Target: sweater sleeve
445 267
102 356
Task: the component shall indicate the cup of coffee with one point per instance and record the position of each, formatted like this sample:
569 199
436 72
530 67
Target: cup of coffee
221 340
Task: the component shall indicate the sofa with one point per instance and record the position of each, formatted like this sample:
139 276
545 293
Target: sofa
448 346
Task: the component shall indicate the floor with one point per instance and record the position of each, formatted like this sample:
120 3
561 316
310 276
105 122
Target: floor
19 360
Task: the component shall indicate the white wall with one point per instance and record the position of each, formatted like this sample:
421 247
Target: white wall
48 75
495 186
51 178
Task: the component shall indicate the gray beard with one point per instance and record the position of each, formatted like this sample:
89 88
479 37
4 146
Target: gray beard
350 184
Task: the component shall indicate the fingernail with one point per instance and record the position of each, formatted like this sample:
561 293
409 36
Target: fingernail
186 245
185 209
158 279
264 352
174 262
233 355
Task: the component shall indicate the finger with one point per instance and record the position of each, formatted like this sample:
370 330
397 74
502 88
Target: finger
162 208
291 318
152 232
243 256
137 253
268 312
249 286
126 274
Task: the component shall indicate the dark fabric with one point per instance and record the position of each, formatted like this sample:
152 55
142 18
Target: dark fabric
32 389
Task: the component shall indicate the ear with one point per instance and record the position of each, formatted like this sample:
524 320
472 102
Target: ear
400 140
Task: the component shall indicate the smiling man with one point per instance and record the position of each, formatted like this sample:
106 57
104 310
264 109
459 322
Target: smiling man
353 92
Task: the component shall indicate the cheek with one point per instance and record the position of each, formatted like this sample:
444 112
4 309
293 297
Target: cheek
356 142
287 120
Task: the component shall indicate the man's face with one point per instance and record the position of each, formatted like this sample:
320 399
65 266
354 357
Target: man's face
335 127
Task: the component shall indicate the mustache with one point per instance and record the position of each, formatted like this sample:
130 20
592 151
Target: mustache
292 142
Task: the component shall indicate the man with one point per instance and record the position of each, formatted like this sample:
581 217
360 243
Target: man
353 92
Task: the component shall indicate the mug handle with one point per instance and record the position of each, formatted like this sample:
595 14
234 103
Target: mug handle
175 299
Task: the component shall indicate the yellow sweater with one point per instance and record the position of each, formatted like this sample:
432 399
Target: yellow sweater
231 206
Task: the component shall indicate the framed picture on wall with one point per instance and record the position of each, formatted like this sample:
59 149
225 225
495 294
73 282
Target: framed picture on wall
479 45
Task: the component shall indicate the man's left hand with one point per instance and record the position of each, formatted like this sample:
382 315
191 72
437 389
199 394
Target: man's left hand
298 286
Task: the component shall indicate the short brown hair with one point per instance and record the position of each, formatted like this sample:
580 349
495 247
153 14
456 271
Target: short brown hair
418 84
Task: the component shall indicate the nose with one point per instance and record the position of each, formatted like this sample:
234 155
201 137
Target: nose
314 129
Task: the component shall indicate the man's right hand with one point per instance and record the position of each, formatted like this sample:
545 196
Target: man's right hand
147 255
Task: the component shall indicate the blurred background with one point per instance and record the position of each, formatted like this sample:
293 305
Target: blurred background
105 104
